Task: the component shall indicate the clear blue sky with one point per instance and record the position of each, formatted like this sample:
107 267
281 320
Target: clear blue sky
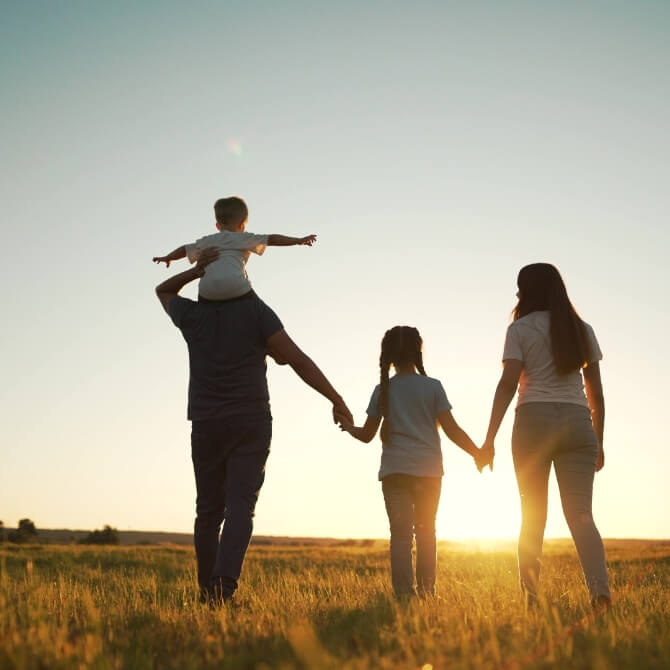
434 147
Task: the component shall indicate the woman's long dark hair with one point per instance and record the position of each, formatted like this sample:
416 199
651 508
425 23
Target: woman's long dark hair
541 287
400 345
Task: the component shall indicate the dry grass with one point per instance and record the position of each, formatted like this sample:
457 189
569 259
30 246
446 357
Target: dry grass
325 607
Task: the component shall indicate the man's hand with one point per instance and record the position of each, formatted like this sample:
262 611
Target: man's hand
206 257
341 413
161 259
307 240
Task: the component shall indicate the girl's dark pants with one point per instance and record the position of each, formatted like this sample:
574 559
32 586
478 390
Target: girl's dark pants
411 505
229 463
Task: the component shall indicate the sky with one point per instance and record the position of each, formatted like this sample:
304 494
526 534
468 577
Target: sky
434 147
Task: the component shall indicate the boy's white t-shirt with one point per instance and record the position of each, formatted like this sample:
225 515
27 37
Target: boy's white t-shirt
226 277
529 340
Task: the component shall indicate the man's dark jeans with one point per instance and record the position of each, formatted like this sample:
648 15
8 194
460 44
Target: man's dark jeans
229 462
411 504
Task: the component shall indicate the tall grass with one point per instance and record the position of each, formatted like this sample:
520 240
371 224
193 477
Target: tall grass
321 608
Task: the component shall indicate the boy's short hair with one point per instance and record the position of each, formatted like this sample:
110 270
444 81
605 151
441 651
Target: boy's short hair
230 210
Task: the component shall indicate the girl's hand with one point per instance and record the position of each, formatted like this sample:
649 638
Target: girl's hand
308 240
161 259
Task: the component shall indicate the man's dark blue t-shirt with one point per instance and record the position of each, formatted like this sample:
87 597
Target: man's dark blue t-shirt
227 345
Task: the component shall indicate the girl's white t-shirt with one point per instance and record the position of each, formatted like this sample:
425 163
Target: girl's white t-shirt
226 277
529 340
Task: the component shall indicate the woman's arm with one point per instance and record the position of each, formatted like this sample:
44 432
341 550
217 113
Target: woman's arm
366 432
596 399
509 380
286 241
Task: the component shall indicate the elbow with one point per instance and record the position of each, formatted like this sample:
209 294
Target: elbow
507 387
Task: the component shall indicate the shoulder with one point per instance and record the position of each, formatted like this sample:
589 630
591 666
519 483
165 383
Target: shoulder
180 310
589 329
208 240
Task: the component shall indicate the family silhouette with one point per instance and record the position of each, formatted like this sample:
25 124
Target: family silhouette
551 356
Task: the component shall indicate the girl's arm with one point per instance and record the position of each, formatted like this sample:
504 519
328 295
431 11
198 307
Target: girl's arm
366 432
179 252
456 434
596 399
286 241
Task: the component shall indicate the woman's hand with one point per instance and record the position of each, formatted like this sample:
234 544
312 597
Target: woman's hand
600 461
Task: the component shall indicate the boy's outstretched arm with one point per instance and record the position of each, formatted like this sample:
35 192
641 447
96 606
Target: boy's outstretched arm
179 252
286 241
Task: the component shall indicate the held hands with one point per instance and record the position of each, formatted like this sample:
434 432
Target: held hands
342 415
308 240
485 456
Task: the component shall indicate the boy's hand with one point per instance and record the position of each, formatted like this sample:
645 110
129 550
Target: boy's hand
161 259
308 240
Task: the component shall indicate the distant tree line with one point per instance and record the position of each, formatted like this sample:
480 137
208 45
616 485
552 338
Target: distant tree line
107 535
26 532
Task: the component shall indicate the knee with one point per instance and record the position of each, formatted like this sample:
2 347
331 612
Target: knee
240 512
206 517
425 528
578 517
401 533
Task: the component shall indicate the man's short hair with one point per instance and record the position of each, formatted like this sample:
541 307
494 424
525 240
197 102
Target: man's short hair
231 210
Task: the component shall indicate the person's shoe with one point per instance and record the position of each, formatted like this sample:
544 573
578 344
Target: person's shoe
221 591
601 603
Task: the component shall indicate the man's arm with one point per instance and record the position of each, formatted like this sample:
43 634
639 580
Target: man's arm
286 241
178 253
284 349
170 288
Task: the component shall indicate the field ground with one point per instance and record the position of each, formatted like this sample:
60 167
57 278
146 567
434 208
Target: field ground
326 607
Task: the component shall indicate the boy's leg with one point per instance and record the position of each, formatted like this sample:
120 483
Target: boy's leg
208 455
426 500
399 507
245 474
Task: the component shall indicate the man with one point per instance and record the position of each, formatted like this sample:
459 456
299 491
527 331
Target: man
228 405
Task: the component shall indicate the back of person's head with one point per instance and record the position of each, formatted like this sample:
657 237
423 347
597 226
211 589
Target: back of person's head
541 287
230 211
401 345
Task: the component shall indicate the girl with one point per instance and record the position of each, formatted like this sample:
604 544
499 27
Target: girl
546 350
410 405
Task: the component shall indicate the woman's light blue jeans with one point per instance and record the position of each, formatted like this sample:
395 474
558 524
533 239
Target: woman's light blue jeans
562 434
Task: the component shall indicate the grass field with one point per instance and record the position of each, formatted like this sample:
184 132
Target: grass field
326 607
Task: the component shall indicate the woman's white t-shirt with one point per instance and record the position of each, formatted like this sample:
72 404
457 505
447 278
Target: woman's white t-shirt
529 340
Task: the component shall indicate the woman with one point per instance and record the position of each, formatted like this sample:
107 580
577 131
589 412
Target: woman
546 349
